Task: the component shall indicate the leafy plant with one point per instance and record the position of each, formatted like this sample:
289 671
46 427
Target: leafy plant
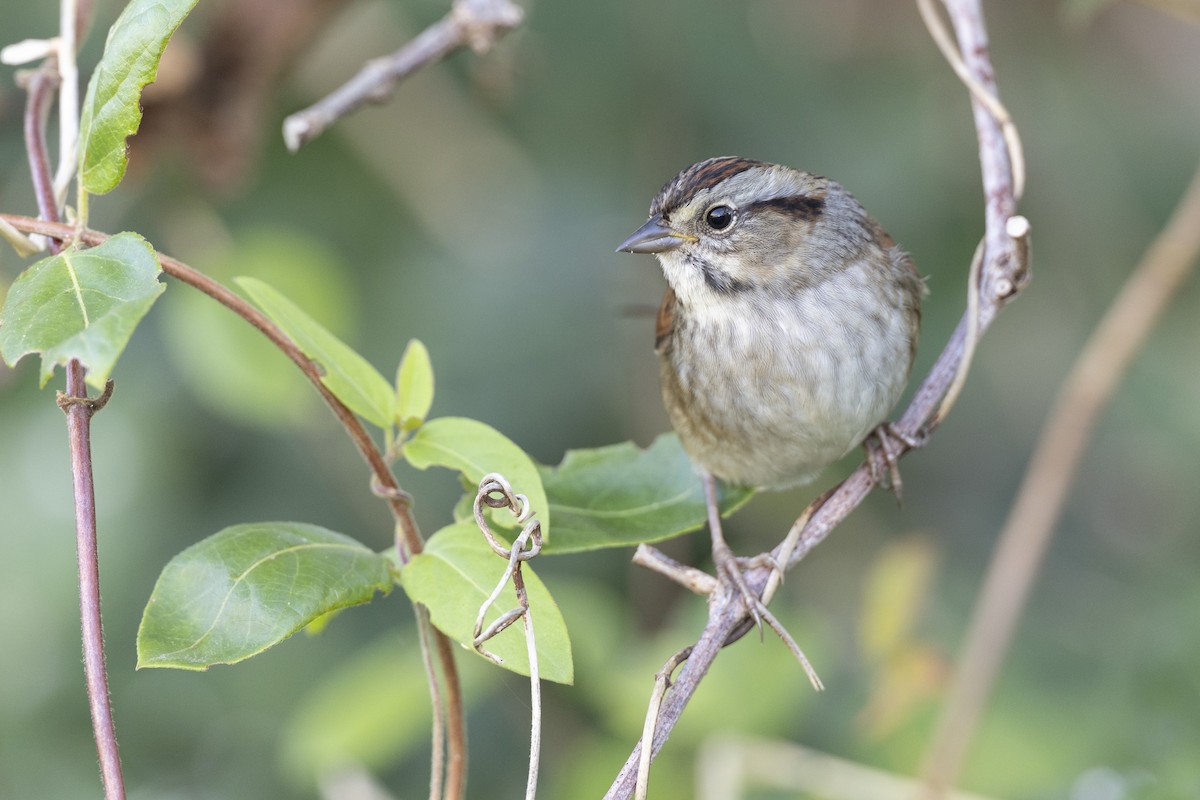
247 587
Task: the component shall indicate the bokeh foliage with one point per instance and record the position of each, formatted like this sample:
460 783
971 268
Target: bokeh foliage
478 212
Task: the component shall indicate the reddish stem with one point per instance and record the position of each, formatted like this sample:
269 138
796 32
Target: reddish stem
79 425
75 405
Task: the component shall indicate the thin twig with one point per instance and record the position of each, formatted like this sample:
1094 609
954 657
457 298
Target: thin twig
41 87
477 24
79 418
22 244
1001 164
793 647
982 88
1004 273
438 734
396 498
662 682
68 97
784 553
456 721
695 580
970 340
1048 479
702 583
496 492
728 612
535 689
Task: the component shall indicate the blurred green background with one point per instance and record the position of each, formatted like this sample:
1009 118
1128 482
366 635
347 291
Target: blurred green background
478 211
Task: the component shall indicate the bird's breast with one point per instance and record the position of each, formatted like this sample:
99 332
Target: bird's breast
769 391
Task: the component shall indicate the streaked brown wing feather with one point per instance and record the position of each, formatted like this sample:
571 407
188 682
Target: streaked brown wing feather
664 323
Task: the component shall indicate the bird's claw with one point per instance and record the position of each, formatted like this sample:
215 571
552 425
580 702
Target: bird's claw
883 447
733 569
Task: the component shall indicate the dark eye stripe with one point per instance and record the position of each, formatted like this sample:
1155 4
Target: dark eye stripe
696 178
799 206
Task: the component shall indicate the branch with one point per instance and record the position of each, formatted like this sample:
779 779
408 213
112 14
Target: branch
727 613
78 408
438 733
1002 273
79 426
456 721
662 682
73 22
474 23
41 86
1051 472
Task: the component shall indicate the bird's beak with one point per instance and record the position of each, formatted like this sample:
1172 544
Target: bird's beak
654 237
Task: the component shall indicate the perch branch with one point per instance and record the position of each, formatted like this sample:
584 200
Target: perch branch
1003 273
1048 479
477 24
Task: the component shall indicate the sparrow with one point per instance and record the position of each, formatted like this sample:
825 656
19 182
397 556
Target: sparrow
788 328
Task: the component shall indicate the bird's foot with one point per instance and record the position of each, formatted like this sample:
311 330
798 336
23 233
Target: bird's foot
732 569
883 448
731 576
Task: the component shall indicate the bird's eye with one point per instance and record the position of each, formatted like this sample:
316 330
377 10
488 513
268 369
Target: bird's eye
719 217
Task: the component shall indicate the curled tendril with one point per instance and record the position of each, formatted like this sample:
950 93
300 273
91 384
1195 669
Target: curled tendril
496 492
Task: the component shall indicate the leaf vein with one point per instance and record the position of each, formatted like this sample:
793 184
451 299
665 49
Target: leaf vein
75 287
237 582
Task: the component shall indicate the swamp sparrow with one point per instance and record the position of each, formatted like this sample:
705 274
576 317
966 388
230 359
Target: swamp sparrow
788 328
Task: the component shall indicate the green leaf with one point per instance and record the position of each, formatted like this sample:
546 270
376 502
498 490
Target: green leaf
457 572
111 112
620 495
82 304
251 586
414 386
475 449
348 375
